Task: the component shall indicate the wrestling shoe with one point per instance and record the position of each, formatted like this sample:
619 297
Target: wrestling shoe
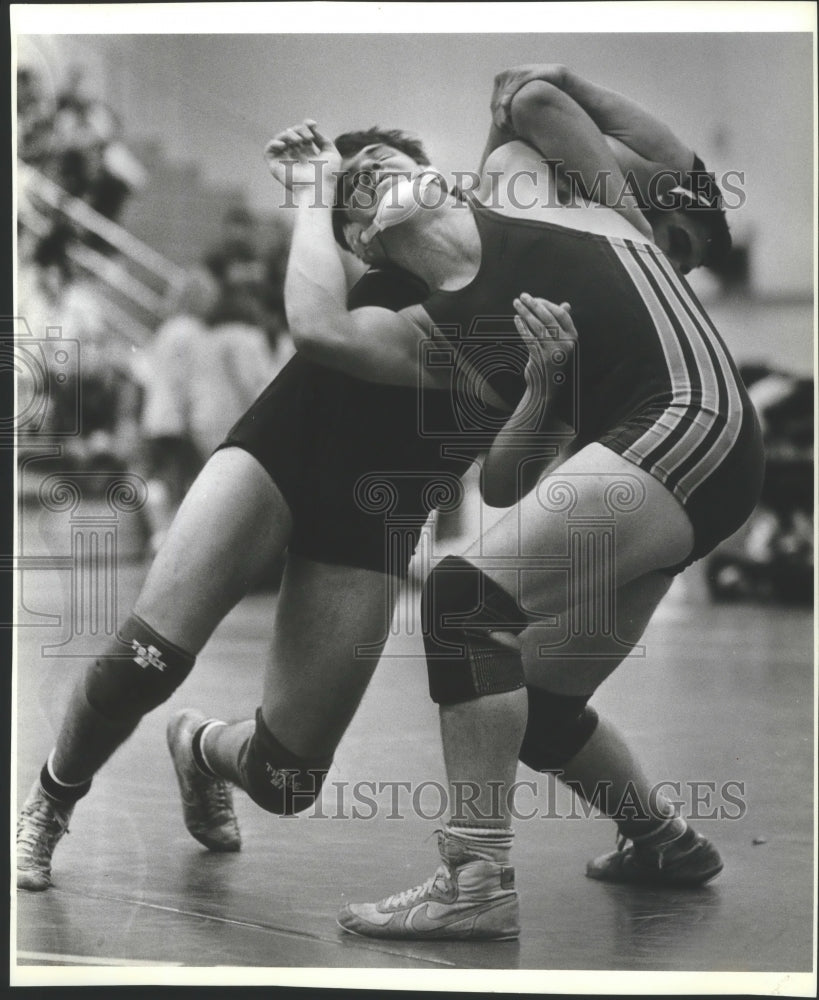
42 823
207 803
467 898
673 855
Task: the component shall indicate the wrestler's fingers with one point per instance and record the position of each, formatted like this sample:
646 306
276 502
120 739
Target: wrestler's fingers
321 140
298 138
526 333
551 314
538 320
275 147
304 130
289 136
500 114
530 322
283 139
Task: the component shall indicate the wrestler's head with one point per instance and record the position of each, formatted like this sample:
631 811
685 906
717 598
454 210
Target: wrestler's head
372 161
691 240
689 222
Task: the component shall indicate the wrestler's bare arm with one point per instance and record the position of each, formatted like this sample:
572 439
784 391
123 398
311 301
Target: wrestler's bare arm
643 145
370 343
561 130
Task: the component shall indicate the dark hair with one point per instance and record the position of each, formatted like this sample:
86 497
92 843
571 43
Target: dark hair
700 198
719 244
52 249
350 143
703 185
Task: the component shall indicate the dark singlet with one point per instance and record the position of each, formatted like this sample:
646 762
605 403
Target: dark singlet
655 382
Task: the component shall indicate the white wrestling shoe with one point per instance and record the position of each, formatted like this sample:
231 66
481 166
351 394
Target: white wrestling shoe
41 824
467 899
207 803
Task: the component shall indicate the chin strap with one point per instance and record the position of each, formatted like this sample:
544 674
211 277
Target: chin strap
403 200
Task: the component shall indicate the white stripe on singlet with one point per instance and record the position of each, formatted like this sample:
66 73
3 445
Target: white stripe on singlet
643 266
678 373
732 413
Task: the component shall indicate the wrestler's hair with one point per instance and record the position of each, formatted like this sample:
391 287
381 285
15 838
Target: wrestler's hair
719 243
715 225
350 143
703 203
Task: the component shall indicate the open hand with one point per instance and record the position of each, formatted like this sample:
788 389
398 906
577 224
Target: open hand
551 337
302 155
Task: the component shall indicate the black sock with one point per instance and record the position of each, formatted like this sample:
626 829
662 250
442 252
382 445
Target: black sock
66 794
198 755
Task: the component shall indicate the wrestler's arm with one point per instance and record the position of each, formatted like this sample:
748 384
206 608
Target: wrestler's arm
370 343
525 445
643 145
627 121
558 127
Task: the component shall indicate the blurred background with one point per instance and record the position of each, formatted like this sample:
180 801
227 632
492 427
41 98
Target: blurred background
149 229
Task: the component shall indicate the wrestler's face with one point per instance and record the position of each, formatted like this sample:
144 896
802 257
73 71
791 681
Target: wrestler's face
370 175
682 239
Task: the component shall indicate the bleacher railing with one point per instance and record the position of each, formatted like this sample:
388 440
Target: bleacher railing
137 278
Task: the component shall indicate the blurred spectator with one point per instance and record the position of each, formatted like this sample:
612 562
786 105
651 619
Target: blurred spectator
235 362
208 362
172 457
35 118
52 294
77 143
773 556
253 281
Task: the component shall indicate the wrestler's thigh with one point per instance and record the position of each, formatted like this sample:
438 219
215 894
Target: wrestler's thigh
232 522
595 497
317 671
569 662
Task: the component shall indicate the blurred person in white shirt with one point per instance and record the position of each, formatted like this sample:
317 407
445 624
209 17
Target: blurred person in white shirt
172 459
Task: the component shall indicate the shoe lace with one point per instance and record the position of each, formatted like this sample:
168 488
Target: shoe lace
409 896
39 827
215 793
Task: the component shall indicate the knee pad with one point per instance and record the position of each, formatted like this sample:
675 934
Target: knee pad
464 659
559 726
139 672
276 779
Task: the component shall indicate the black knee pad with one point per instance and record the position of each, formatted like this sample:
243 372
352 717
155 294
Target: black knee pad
276 779
465 660
139 671
559 726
